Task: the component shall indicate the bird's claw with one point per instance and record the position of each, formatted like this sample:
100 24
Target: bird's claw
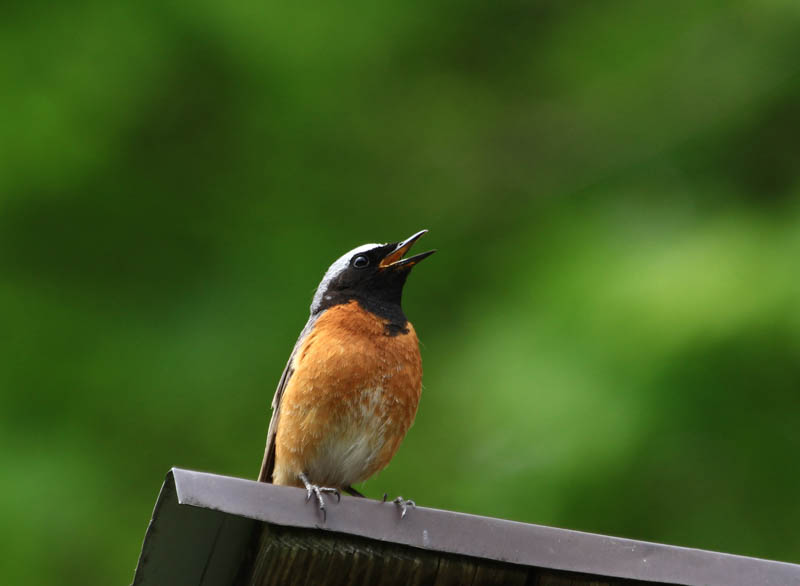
402 503
318 491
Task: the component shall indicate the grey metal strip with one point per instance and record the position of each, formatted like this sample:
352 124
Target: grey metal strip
482 537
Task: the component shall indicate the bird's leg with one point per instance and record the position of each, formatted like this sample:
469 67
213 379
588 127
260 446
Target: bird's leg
402 503
352 491
317 491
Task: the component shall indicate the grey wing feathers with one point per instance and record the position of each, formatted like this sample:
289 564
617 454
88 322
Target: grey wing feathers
268 463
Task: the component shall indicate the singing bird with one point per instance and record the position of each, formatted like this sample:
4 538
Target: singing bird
351 388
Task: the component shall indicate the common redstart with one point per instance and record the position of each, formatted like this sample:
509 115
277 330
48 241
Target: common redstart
351 387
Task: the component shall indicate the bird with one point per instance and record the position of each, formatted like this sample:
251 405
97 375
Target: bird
352 384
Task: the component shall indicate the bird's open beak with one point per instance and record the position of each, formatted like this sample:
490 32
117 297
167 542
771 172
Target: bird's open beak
395 258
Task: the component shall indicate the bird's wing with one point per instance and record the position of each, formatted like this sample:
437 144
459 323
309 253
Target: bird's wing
268 463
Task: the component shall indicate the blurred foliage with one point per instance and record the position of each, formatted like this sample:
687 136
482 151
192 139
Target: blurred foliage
611 329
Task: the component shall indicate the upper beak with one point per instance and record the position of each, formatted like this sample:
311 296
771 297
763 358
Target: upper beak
395 258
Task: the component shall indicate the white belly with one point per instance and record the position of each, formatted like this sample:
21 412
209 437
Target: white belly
348 453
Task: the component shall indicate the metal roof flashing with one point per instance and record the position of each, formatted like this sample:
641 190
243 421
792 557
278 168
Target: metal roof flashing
203 526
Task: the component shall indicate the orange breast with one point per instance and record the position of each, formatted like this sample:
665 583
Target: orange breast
352 397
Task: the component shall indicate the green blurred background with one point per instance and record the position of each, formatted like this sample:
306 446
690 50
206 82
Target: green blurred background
611 327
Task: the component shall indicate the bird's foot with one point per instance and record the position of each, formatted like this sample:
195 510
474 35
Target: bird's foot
402 503
318 491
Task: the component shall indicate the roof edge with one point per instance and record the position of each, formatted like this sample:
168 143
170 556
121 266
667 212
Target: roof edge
477 536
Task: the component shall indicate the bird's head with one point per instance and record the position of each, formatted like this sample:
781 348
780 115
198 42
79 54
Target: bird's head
370 274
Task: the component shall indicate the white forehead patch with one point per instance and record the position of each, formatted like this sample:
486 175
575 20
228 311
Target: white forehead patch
337 267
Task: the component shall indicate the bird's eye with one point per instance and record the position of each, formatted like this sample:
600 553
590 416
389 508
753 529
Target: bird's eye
361 262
